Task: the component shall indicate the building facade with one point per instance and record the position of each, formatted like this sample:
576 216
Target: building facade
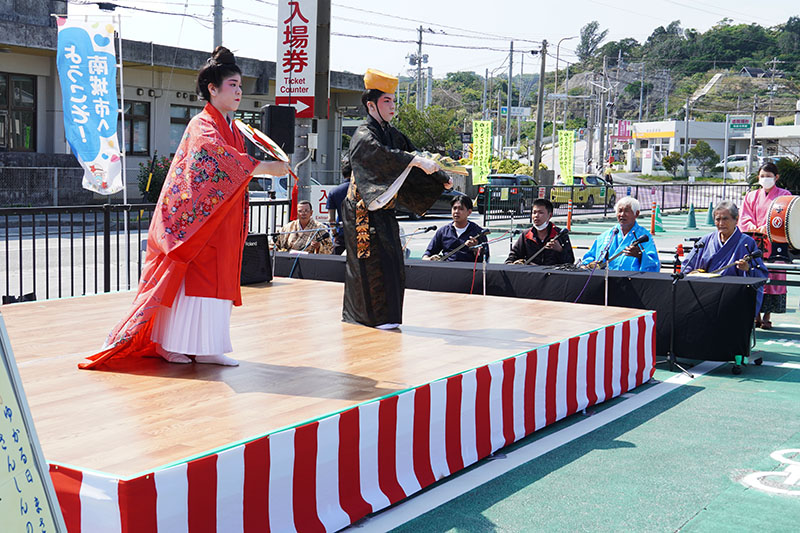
159 94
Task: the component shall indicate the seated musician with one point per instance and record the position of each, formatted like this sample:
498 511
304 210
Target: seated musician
304 234
557 251
618 241
461 231
726 246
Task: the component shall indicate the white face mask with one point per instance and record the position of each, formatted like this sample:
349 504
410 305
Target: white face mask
767 183
542 227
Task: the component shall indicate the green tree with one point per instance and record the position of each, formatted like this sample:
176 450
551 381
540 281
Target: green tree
591 38
632 89
789 172
508 166
703 156
434 129
160 167
672 163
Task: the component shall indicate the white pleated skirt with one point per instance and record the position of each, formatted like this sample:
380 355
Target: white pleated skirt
194 325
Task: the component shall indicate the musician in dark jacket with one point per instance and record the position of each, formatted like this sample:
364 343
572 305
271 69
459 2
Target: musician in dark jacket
451 236
557 251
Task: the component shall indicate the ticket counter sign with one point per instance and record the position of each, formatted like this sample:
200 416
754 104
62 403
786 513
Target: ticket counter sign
296 63
28 501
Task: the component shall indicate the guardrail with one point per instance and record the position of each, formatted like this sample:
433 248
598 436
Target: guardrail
54 252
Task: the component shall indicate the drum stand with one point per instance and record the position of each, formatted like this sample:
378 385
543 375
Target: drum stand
671 359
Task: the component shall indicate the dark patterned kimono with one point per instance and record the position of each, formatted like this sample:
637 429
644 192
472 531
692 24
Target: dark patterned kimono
375 272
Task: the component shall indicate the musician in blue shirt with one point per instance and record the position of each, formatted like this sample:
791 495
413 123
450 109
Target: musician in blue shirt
451 236
620 239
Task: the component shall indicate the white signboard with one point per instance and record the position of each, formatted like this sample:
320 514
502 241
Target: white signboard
740 122
319 201
516 111
27 499
295 70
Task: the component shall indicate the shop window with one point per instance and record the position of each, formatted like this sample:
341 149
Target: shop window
179 117
137 128
17 112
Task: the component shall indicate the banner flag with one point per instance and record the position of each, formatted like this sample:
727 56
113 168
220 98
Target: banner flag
87 70
481 151
566 155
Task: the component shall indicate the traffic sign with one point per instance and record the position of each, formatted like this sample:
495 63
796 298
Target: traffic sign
516 111
466 137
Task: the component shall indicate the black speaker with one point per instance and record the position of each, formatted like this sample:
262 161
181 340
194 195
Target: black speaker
277 121
256 262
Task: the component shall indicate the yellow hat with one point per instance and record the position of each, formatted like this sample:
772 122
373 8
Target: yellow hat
375 79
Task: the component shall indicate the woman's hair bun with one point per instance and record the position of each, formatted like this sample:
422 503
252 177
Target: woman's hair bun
222 56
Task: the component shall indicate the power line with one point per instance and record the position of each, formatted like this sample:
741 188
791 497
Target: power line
428 23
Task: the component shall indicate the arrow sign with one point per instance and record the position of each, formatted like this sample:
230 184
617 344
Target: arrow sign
303 105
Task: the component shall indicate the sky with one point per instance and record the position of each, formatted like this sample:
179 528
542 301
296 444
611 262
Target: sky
457 36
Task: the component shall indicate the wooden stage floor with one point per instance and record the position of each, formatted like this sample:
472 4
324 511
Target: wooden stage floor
298 362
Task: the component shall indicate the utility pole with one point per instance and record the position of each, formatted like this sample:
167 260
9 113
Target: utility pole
217 23
566 96
429 87
686 140
752 137
483 98
510 90
419 70
666 94
497 134
590 130
602 152
537 154
641 92
519 97
772 81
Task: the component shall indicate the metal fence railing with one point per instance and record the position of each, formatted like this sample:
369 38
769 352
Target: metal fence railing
54 252
505 203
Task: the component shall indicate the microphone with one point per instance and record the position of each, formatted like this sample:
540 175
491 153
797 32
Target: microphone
755 254
427 228
608 244
563 233
640 240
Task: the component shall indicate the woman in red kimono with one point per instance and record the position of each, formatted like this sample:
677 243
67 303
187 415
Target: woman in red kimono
754 219
190 279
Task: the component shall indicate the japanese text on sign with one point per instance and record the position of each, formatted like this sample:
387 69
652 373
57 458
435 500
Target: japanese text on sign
566 155
297 38
27 502
87 71
481 151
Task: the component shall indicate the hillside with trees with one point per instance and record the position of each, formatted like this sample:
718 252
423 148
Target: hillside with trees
659 74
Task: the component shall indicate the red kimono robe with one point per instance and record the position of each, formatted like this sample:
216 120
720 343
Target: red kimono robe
197 232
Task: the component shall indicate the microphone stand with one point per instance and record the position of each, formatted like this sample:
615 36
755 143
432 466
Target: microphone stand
671 359
483 267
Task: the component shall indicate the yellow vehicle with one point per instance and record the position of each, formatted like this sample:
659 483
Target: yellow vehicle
587 190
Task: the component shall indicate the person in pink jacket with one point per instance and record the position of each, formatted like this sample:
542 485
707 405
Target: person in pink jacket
754 219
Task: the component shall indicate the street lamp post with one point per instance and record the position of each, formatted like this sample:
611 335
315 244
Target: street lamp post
555 91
